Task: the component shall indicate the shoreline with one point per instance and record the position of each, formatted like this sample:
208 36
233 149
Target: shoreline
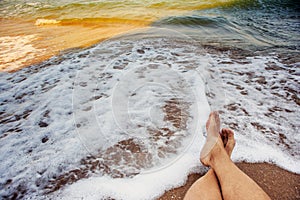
32 44
278 183
255 82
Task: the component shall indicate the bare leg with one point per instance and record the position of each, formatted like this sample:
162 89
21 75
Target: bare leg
234 183
207 187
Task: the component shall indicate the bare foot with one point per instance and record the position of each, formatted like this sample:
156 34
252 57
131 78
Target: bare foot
227 136
213 137
216 141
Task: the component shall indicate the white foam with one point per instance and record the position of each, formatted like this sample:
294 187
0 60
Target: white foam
89 90
133 90
43 22
142 186
259 107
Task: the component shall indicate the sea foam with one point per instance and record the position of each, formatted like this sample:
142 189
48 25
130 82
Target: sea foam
42 22
90 118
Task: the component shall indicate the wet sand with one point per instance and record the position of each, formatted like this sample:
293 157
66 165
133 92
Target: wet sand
276 182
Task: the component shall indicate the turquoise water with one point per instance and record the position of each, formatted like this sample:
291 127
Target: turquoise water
252 25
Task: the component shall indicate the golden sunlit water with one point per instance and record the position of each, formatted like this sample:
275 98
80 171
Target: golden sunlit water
41 31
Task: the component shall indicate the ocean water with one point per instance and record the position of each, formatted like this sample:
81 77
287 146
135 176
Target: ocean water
125 117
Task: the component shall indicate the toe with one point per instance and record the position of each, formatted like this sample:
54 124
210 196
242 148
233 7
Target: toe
224 135
230 142
228 133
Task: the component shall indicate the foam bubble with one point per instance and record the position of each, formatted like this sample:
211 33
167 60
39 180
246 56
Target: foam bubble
43 22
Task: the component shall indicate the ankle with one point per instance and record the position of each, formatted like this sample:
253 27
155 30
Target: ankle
219 155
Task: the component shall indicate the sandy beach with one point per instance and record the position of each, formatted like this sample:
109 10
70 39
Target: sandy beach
276 182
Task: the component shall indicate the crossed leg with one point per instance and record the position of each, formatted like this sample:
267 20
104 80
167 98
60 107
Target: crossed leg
224 180
207 187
